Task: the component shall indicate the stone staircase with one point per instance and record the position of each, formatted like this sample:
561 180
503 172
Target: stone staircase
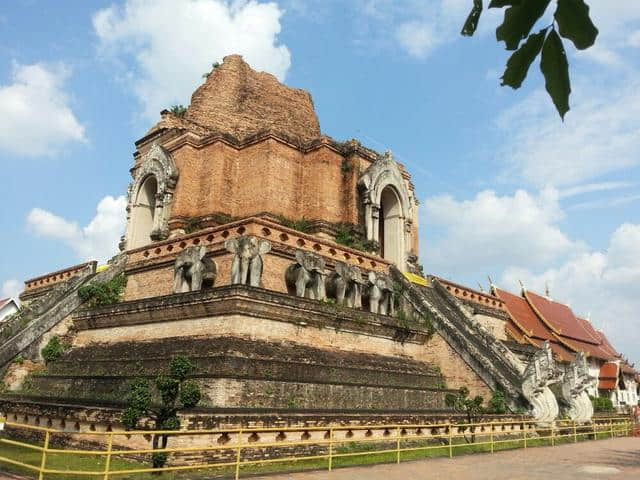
18 335
486 355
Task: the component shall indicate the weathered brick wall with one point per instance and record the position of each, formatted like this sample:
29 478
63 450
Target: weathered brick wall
269 176
237 99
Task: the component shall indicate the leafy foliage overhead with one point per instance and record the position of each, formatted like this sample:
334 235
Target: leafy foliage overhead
571 20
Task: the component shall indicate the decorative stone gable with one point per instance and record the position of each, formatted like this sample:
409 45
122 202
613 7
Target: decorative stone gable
388 208
149 199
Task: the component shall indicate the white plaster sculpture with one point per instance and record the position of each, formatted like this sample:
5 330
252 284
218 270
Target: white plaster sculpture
193 270
538 376
574 390
246 267
306 277
380 294
346 285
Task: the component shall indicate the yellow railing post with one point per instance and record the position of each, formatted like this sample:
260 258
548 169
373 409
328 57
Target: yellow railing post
450 439
525 434
330 449
107 462
491 427
553 434
575 432
238 454
44 455
397 444
611 427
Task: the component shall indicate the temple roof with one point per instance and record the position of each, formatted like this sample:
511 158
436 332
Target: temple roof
237 100
535 319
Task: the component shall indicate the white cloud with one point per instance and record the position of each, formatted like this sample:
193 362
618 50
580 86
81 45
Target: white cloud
96 241
417 38
634 39
518 237
35 117
594 187
11 288
491 230
171 43
600 134
603 285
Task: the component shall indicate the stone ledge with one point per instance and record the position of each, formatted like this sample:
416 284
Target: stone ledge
252 302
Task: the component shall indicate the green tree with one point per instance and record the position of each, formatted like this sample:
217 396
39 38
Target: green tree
176 393
570 20
461 402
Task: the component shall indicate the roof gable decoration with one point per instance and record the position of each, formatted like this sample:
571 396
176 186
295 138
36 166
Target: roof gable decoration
156 162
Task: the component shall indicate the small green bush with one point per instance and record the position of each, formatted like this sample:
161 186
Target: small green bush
347 236
53 350
302 225
498 402
178 110
602 404
103 293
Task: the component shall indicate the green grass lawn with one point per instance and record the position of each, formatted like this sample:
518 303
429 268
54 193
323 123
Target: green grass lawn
346 455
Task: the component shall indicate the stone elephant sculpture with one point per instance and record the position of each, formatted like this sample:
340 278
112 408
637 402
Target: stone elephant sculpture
246 267
380 294
193 270
306 277
345 285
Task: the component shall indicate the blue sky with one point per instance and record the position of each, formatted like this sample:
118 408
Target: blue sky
506 188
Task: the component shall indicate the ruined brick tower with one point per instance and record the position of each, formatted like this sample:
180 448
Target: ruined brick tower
248 146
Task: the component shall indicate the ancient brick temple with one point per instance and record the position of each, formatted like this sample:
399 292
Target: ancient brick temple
284 263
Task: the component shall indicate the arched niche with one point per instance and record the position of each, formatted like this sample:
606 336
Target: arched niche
143 211
387 209
149 199
391 226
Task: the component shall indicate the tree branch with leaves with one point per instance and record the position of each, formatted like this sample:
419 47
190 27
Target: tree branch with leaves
570 20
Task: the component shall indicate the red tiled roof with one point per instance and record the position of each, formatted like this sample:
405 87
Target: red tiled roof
523 316
608 376
606 345
4 301
559 317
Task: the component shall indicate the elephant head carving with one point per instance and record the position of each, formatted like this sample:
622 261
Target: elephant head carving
193 270
345 285
380 294
306 277
246 267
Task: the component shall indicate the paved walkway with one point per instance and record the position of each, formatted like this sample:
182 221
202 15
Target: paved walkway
616 458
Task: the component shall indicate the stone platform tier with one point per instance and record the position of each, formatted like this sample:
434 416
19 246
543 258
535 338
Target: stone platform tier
253 348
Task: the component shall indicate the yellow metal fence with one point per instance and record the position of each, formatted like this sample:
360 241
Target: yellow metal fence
390 444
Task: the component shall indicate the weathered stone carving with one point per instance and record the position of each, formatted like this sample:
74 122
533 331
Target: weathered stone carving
538 376
573 390
346 285
385 172
380 294
159 164
193 270
246 267
306 277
